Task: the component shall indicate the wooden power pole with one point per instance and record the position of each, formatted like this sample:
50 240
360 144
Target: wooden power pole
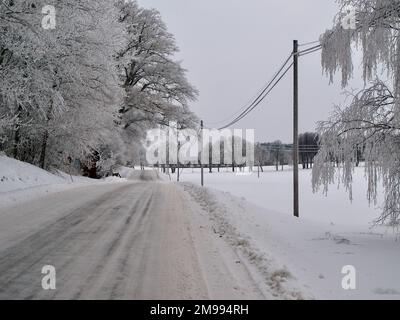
167 160
233 152
295 129
201 157
178 150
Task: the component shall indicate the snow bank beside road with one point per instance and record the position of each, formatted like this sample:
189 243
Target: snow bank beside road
125 172
275 280
300 258
17 175
20 182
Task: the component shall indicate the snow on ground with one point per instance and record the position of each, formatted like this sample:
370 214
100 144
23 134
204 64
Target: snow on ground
295 258
131 173
125 172
274 191
21 182
302 257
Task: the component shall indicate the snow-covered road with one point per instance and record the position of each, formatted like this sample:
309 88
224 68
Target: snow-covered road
137 240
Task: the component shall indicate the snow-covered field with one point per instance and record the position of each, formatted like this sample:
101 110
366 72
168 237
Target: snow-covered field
331 233
274 191
21 182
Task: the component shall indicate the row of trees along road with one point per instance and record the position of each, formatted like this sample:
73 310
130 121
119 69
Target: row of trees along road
86 91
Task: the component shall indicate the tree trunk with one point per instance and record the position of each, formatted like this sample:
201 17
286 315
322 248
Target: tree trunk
357 159
16 142
45 139
17 134
42 160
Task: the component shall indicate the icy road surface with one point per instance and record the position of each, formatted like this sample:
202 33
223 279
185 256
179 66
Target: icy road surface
137 240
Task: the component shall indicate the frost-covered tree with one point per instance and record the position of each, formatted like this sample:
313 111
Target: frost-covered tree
156 85
371 122
90 36
308 143
61 85
26 78
89 88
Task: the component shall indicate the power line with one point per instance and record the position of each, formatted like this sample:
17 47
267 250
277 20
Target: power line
290 148
309 43
239 110
265 93
262 92
267 90
309 50
257 103
260 96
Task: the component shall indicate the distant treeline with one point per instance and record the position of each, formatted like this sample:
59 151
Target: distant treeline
280 154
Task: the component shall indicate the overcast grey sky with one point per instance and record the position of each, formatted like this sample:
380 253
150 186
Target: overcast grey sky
232 48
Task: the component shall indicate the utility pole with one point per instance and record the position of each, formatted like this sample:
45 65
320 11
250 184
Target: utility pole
201 156
233 152
167 165
295 129
210 157
178 147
